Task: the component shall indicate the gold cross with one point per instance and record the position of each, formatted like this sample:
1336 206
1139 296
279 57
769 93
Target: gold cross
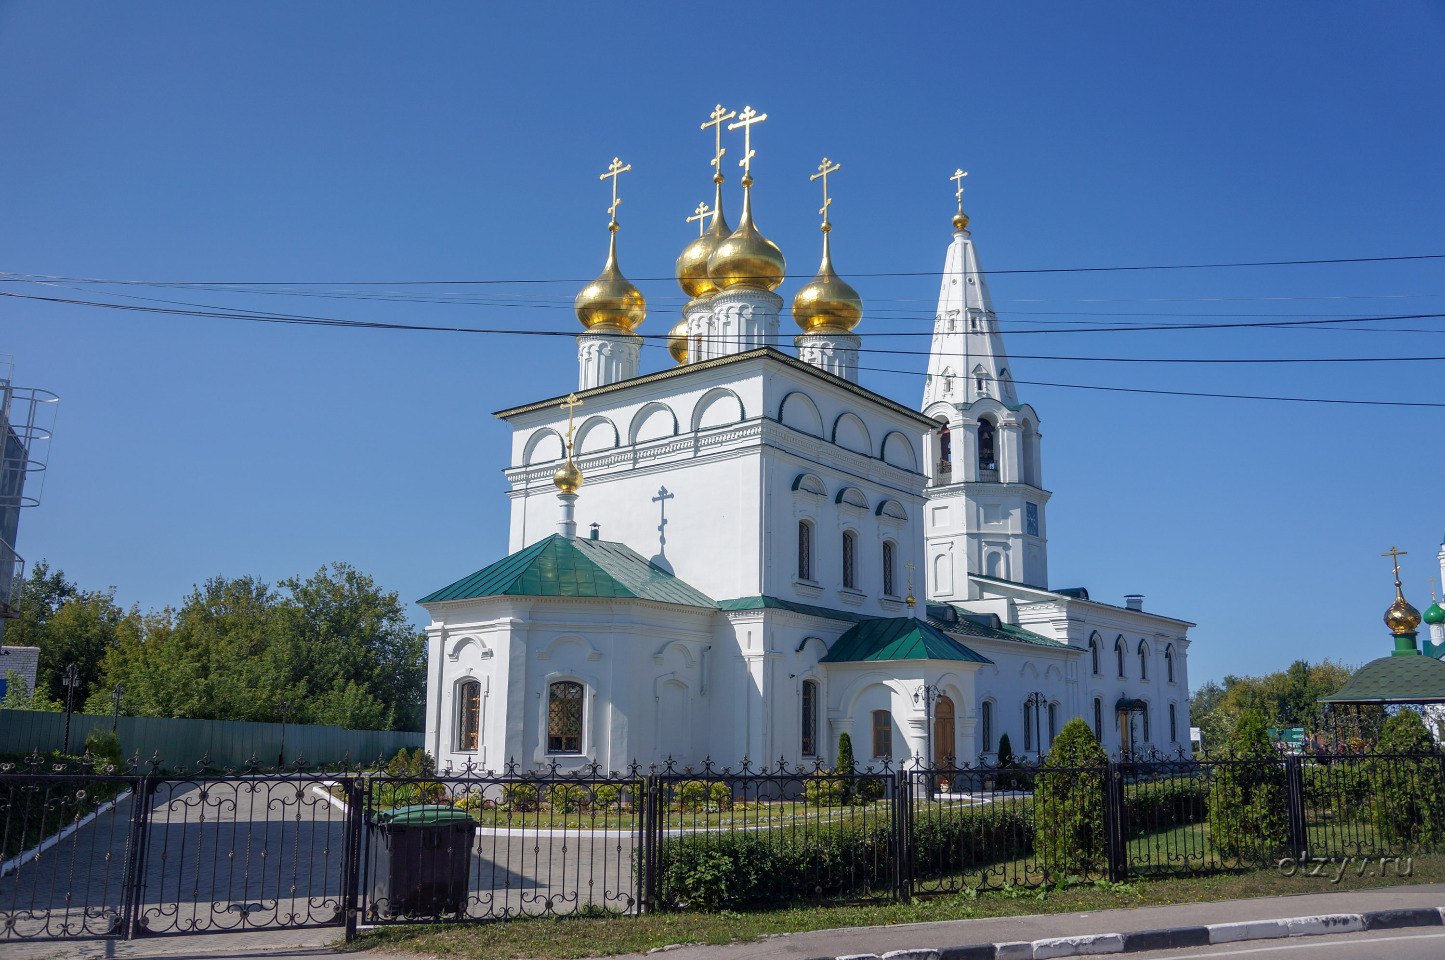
910 598
1432 591
614 170
569 404
718 116
700 214
746 119
825 168
957 178
1396 554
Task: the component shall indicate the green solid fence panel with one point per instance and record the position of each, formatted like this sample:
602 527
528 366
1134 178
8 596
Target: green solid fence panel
225 743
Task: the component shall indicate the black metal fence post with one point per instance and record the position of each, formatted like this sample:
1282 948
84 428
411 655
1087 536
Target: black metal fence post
351 869
1295 808
1116 827
649 834
133 876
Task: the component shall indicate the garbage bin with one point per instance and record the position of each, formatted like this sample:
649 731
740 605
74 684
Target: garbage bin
421 858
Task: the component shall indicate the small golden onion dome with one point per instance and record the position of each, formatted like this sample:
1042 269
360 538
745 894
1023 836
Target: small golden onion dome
960 220
691 269
611 302
567 478
827 303
677 342
747 259
1401 617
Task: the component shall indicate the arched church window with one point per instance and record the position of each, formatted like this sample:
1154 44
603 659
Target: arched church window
805 550
469 714
1173 724
850 556
810 718
1028 727
882 734
986 458
564 717
1094 654
945 443
985 724
1144 721
1143 660
1053 722
1119 655
1169 663
1099 719
890 588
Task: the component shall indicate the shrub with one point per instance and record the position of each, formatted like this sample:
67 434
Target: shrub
104 748
825 790
1247 797
1006 758
845 753
411 763
568 797
1407 784
607 796
522 797
948 843
1167 802
869 789
703 795
1069 804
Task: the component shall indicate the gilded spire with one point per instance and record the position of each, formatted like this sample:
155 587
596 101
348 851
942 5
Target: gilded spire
691 267
568 477
611 302
827 303
1401 617
747 258
960 219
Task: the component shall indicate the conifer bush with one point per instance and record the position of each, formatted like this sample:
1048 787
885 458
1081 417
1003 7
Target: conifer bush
1407 783
1069 804
1247 797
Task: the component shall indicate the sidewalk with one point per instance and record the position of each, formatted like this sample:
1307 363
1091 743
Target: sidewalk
317 943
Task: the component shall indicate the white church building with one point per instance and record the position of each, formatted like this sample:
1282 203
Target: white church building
748 554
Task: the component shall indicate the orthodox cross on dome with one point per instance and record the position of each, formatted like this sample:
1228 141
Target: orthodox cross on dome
746 119
1396 555
825 168
569 405
957 178
700 214
614 170
718 116
910 598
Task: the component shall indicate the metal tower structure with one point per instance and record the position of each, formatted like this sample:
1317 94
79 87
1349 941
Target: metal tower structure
27 422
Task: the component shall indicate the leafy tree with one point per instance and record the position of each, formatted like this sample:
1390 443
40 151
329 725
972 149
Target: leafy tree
1285 698
1408 804
1069 803
69 625
1247 797
19 696
1006 758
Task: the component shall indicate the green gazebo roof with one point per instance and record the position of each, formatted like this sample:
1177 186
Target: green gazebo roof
1417 679
562 567
898 638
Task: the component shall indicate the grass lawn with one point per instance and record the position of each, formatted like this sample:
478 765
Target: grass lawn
561 938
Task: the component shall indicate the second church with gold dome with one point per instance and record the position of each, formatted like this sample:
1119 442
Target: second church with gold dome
748 554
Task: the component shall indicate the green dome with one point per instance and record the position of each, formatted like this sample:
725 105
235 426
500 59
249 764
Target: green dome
1434 614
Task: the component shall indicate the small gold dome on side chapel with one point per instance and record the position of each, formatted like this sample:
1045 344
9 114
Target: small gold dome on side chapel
691 268
1402 617
567 478
827 302
747 259
677 342
611 302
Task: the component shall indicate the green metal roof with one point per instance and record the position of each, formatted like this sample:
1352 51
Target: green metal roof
985 626
562 567
1417 679
776 603
898 638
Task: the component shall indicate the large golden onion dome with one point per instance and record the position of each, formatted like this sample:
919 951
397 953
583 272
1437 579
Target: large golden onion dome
677 342
1401 617
747 259
611 302
568 477
691 268
827 303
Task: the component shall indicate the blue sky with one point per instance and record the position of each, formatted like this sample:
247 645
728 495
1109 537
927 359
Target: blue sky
335 144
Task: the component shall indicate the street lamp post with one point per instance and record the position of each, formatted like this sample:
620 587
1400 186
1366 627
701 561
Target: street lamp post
115 694
928 695
284 708
71 679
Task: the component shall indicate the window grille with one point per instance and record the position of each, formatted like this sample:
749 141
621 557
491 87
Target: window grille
564 717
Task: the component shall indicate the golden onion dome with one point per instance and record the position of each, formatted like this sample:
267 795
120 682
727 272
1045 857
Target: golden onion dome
568 478
611 302
677 342
960 220
747 259
827 303
1401 617
691 268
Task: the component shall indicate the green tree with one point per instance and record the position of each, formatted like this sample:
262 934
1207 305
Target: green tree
1406 783
19 696
1006 758
1247 796
1286 698
845 753
69 625
1069 804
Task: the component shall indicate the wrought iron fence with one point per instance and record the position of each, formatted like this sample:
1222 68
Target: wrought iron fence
95 851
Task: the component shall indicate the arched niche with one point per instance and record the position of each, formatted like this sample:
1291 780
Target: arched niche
853 497
801 413
892 509
898 450
718 407
850 433
544 446
809 483
596 433
652 422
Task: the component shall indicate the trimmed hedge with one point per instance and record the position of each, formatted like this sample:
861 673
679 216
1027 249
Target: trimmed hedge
1069 804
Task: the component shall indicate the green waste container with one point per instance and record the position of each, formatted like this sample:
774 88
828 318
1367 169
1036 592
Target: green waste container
421 859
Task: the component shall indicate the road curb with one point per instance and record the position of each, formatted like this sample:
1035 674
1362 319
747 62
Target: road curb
1099 944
